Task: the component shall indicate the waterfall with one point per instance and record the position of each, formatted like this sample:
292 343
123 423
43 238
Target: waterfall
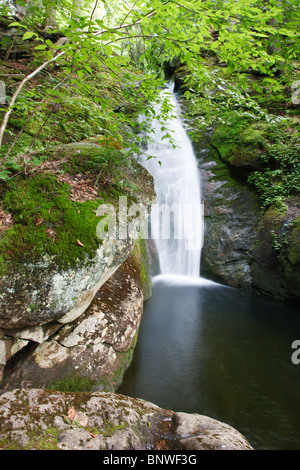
176 219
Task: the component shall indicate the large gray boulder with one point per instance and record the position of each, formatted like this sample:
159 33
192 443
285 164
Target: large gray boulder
93 350
37 291
43 292
34 419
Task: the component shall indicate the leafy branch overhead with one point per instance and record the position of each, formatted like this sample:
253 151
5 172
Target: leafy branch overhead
148 33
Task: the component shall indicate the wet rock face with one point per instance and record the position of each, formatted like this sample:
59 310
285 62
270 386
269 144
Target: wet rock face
230 220
41 419
95 348
244 246
276 253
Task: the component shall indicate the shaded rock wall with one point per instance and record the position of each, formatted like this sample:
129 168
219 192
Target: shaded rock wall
276 253
230 221
246 247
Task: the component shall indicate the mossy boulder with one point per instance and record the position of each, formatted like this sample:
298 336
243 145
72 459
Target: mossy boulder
48 420
52 261
47 222
238 143
245 157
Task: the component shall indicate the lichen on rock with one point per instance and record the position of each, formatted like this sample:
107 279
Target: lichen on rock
94 348
111 422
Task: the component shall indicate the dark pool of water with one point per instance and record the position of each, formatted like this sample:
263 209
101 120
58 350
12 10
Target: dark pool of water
209 349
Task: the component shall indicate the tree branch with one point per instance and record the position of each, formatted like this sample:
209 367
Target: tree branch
132 7
124 26
32 114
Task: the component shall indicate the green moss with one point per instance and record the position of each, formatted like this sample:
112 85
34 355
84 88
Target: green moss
47 221
90 157
264 154
72 384
43 440
145 270
109 428
239 141
274 216
141 256
47 441
8 444
244 156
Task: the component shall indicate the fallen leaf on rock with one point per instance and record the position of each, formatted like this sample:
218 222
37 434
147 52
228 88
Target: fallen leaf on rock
76 418
71 413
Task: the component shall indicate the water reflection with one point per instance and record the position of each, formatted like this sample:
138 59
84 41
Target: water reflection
209 349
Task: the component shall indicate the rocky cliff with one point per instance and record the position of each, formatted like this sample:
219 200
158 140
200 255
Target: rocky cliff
230 220
246 245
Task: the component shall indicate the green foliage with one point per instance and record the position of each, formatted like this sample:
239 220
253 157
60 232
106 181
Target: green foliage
109 72
4 9
214 97
280 177
262 147
273 149
150 33
100 160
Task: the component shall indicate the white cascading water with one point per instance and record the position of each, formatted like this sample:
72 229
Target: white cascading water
177 186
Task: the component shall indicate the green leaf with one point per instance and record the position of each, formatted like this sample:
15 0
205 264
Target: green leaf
80 73
4 174
88 68
28 35
15 23
41 47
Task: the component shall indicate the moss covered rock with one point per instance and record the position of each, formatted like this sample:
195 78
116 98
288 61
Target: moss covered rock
52 261
44 420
